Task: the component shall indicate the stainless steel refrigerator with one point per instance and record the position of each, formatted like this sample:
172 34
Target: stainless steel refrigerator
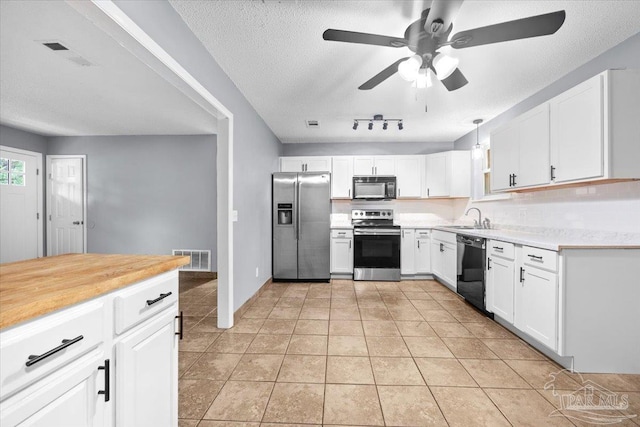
301 225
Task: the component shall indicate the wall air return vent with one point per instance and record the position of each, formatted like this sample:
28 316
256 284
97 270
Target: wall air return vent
313 123
200 260
55 46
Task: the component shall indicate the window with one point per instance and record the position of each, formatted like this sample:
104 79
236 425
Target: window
12 172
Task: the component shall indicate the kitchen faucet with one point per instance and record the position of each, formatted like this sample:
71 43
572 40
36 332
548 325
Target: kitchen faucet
478 223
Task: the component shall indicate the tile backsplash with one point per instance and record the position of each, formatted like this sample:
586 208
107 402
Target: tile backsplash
606 207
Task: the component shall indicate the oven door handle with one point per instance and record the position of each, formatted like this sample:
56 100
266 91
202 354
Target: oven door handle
376 233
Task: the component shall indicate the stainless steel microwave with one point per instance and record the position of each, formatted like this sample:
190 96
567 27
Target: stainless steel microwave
374 187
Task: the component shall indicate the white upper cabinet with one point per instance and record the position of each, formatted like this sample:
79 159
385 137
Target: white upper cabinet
341 177
305 164
409 171
447 174
374 165
595 131
520 151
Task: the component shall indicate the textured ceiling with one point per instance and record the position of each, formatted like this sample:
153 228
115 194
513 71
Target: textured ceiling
274 52
47 94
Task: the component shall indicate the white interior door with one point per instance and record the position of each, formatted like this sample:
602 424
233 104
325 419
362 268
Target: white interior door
20 236
66 204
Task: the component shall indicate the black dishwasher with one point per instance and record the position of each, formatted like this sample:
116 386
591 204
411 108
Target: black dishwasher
470 270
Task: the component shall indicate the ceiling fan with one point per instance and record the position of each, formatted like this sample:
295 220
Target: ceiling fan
431 32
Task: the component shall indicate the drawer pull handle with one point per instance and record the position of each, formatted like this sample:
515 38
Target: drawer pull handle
160 298
180 320
107 389
497 248
535 257
34 358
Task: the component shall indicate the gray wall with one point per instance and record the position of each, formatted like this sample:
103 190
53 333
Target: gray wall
365 148
16 138
624 55
148 194
256 148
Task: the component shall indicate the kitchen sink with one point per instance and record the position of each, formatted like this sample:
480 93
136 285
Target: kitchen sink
463 227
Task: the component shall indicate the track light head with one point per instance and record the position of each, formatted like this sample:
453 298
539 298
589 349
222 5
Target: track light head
385 125
370 125
355 124
400 125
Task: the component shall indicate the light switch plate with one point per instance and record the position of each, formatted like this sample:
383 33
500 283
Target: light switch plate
234 216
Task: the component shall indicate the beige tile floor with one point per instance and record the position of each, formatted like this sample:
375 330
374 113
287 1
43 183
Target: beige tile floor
366 353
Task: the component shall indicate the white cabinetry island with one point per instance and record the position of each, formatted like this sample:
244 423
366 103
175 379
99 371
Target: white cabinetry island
90 340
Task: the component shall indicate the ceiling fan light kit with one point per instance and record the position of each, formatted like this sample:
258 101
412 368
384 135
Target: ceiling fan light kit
432 31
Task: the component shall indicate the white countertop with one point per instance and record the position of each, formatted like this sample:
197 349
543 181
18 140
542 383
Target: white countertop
555 240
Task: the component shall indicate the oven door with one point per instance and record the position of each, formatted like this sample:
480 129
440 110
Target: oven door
376 254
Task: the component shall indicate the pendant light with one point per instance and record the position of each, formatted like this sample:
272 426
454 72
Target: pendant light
477 149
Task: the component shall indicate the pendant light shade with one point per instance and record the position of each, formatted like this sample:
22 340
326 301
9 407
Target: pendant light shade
477 149
408 69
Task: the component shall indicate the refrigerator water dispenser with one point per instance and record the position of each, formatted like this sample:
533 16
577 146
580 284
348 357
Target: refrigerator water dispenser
285 214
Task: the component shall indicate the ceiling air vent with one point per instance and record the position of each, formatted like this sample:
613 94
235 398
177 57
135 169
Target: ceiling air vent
66 53
313 123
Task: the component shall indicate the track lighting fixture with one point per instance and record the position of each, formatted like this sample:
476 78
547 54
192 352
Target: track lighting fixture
377 118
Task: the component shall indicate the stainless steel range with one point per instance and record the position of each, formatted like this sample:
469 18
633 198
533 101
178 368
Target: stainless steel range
377 245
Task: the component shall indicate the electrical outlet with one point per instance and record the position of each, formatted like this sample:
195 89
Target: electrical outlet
257 271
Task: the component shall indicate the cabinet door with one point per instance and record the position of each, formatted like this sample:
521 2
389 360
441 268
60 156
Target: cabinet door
533 153
436 178
408 176
537 310
450 265
385 165
407 252
504 157
342 256
146 381
317 164
437 249
577 132
291 164
363 166
500 285
423 256
67 398
341 177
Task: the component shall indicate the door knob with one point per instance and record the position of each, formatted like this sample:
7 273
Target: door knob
78 222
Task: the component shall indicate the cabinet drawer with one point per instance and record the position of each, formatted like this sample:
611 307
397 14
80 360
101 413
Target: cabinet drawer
423 234
501 249
144 299
342 234
57 339
540 258
444 236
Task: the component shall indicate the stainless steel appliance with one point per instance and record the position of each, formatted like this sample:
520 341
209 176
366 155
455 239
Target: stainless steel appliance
374 187
301 226
376 241
470 270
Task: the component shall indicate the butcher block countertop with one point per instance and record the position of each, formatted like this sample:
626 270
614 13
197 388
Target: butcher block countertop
39 286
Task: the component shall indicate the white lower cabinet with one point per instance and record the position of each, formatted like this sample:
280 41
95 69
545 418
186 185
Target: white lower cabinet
423 252
146 374
536 295
407 251
341 251
83 372
444 257
500 279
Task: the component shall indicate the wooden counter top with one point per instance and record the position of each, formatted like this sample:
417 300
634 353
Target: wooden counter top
39 286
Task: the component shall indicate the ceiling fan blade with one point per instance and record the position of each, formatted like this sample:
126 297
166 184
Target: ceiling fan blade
363 38
382 75
455 81
533 26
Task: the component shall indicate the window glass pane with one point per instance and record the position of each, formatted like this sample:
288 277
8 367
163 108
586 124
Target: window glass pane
4 178
4 164
17 166
17 179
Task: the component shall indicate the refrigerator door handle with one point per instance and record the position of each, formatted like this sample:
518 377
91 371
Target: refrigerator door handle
297 207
